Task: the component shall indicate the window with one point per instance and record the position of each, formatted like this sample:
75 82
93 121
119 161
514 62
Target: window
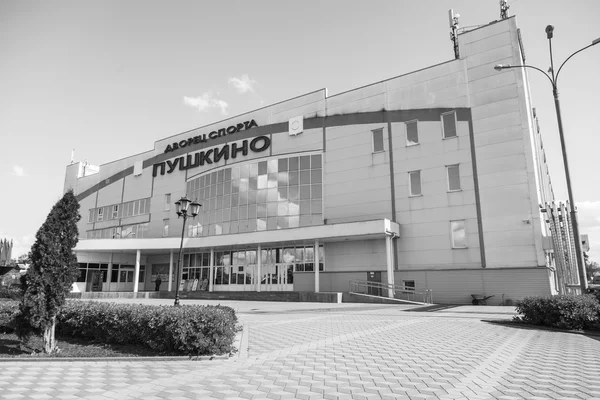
91 216
126 276
165 227
100 214
115 211
453 178
412 133
459 239
115 232
377 140
142 275
258 196
449 124
414 183
142 206
167 201
408 285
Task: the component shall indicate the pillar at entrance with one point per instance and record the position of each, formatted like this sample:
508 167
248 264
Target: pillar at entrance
211 270
258 264
390 265
109 272
170 287
316 257
136 275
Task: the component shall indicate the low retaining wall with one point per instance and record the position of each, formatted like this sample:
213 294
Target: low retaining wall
328 297
113 295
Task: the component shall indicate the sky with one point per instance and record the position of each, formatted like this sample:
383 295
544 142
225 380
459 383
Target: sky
108 78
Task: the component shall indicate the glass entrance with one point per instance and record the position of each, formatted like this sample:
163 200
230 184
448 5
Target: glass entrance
94 283
277 277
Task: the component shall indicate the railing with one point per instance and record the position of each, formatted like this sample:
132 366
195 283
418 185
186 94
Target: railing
399 292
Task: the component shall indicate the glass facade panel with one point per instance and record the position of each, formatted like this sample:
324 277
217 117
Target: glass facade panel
256 196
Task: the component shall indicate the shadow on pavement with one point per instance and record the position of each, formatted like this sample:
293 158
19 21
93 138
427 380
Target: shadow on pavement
518 325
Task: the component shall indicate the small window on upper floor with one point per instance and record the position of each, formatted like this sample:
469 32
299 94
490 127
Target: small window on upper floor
91 216
115 211
377 140
453 178
412 133
414 183
459 238
165 232
100 214
167 201
449 124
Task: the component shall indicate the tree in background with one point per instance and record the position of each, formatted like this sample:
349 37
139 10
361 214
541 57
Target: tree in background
5 251
592 268
52 272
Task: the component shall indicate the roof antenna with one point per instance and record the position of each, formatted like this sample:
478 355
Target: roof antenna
453 19
504 6
72 156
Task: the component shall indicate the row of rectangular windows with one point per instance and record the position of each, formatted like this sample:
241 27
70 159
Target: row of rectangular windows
122 210
120 232
119 273
289 255
452 180
412 131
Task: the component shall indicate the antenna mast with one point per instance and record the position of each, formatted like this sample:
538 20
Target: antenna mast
504 6
453 20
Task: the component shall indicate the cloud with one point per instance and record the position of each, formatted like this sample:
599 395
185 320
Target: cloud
243 84
18 171
206 102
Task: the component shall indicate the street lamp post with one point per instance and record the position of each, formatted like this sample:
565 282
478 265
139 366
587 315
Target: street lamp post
181 207
553 80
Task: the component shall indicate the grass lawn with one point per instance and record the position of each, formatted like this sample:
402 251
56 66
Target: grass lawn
10 347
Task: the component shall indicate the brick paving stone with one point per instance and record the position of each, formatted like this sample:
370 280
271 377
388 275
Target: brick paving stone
353 354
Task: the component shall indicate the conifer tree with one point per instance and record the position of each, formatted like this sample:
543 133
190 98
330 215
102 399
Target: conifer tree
52 272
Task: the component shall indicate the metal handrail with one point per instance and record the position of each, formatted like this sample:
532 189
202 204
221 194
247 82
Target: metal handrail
357 285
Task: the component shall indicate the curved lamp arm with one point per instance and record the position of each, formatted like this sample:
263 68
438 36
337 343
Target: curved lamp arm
500 67
595 42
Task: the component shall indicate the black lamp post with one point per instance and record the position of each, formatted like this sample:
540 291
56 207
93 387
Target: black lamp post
553 80
181 207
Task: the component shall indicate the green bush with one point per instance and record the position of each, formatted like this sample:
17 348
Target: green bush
595 293
564 311
8 312
189 330
13 293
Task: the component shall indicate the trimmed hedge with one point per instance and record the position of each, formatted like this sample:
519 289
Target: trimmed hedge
186 330
13 293
577 312
189 330
8 312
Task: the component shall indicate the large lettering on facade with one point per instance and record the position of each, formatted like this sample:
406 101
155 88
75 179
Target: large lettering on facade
210 156
212 135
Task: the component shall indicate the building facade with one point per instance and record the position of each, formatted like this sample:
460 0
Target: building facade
432 180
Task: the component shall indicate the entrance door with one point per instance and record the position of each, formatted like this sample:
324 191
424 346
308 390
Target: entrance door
94 283
277 277
374 277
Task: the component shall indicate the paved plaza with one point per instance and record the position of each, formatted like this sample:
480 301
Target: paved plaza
342 351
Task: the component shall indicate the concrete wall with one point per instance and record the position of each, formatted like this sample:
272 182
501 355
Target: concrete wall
363 255
455 286
502 142
356 180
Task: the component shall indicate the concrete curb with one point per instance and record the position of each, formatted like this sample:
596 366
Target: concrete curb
521 325
106 359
